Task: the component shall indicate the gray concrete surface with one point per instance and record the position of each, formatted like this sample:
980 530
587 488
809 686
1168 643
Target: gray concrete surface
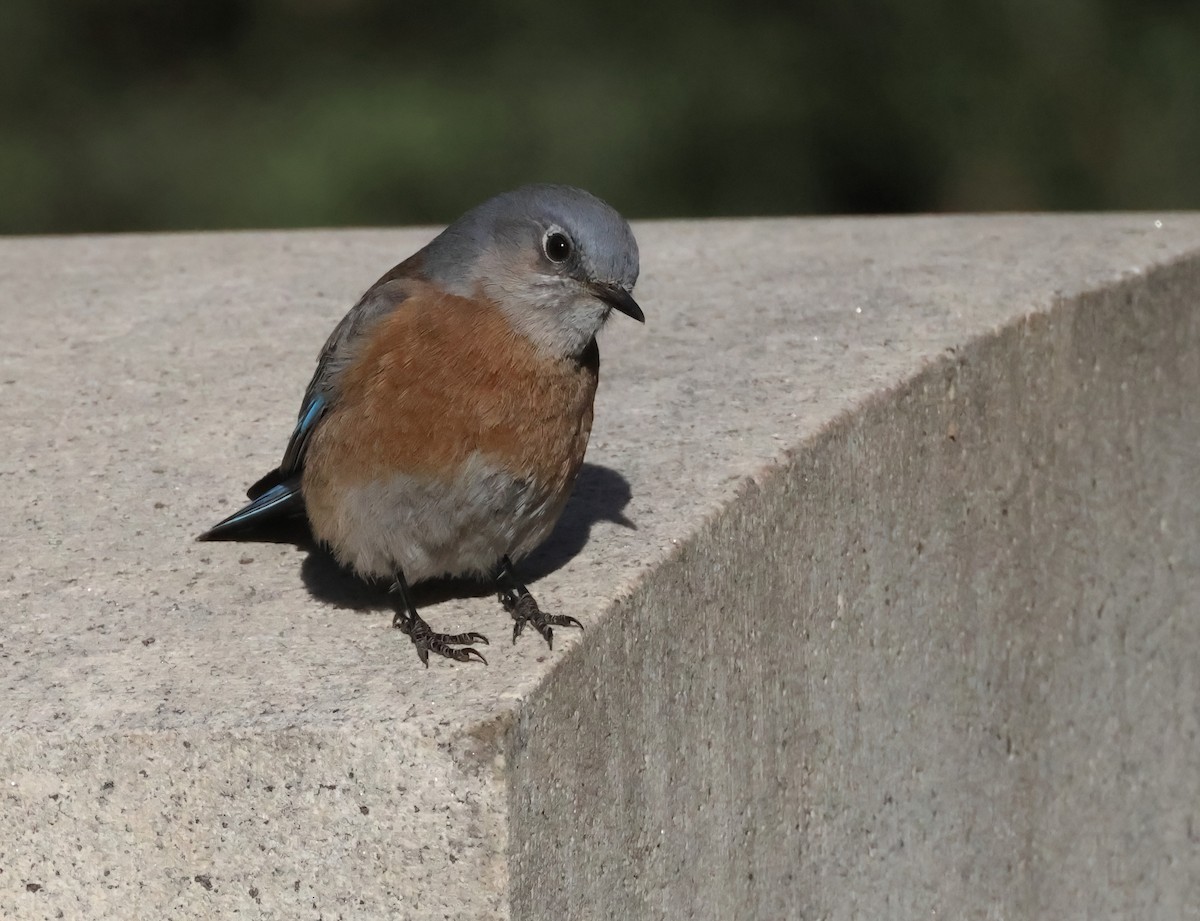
908 625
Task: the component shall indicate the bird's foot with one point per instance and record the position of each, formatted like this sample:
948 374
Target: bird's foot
524 610
442 644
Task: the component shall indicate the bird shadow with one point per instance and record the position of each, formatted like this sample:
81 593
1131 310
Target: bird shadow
600 494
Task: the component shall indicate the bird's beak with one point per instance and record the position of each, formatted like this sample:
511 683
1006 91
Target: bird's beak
619 299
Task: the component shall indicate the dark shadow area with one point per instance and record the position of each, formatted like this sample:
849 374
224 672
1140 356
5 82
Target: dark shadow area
600 494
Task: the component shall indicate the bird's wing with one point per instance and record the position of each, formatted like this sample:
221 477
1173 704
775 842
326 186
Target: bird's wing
385 296
277 495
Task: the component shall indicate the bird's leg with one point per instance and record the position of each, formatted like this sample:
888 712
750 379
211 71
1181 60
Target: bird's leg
520 604
408 621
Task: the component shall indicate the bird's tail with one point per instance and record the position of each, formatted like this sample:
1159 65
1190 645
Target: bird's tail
277 501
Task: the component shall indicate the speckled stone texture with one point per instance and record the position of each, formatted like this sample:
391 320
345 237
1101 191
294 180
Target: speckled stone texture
908 625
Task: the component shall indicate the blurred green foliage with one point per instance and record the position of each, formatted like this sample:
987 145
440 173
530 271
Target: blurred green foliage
154 114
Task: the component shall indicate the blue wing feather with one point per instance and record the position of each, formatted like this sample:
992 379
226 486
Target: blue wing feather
313 409
293 458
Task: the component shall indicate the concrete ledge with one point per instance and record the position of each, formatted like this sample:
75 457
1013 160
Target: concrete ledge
909 623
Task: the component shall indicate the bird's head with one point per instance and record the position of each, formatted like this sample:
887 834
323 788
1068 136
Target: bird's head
557 260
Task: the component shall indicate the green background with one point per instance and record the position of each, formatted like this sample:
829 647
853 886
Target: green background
119 115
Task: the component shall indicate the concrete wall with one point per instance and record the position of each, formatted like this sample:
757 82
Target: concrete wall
908 623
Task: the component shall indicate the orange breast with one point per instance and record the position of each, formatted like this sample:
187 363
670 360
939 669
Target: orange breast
444 377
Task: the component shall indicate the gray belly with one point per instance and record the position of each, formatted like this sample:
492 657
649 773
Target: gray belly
431 528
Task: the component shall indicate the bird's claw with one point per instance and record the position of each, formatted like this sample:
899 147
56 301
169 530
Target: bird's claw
564 620
450 645
460 654
463 639
524 609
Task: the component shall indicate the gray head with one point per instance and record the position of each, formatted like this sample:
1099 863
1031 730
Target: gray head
557 261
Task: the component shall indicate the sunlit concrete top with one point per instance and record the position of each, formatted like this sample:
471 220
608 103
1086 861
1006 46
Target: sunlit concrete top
146 380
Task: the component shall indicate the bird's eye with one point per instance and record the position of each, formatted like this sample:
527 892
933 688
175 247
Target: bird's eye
557 246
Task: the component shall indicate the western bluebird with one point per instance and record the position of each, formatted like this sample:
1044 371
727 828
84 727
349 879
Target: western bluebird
450 410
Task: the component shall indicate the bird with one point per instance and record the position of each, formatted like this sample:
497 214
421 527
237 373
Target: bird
450 409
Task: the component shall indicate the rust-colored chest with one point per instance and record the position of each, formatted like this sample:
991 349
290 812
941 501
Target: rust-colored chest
443 378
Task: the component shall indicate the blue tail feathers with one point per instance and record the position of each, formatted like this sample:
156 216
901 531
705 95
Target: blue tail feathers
281 500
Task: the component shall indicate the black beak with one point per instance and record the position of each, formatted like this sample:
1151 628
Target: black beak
618 299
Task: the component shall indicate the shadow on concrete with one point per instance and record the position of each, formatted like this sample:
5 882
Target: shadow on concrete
600 494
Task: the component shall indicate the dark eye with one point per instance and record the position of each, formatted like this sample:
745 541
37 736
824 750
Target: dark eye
557 246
